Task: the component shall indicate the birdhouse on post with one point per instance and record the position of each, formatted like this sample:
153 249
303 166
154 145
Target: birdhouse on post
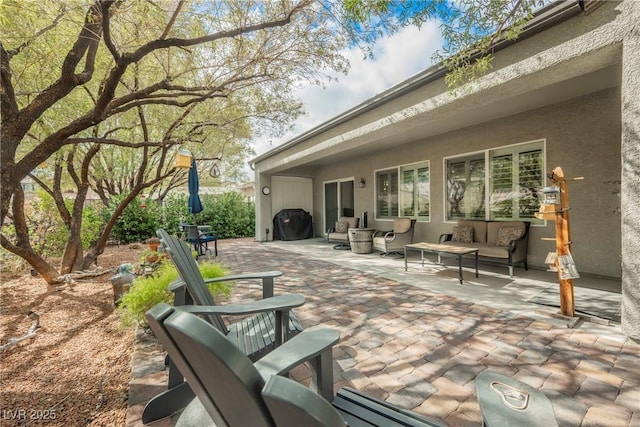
550 203
555 207
183 159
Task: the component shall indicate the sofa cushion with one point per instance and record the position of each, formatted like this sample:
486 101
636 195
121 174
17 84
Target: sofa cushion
342 226
479 229
401 225
507 234
494 226
351 220
462 234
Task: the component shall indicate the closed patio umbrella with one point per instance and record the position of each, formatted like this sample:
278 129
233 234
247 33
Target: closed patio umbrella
195 205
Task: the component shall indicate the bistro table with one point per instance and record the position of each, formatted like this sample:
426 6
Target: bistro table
440 250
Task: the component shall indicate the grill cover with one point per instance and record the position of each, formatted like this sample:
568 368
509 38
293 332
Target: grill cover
292 224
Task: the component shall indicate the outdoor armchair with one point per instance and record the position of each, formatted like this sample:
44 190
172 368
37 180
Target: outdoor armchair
266 324
232 391
339 234
223 379
393 242
201 239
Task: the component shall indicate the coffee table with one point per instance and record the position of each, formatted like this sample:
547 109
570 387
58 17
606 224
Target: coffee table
439 249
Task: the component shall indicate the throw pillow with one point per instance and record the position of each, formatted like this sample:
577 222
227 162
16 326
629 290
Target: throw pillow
507 234
462 234
342 227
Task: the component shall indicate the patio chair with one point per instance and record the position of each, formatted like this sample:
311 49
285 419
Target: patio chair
210 361
339 234
270 322
231 391
200 240
393 242
234 392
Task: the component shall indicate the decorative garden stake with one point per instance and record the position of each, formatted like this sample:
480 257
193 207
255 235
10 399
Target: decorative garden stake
555 207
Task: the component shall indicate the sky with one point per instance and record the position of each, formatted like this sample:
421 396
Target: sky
395 59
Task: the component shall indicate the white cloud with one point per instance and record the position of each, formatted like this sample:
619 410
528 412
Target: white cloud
395 59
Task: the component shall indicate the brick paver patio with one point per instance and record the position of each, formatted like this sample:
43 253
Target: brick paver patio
422 350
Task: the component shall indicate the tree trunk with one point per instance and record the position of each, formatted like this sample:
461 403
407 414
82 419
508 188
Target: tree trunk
48 273
72 258
97 247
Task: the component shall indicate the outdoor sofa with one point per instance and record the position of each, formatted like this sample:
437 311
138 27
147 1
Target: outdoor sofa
500 241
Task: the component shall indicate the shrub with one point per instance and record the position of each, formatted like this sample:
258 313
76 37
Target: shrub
145 292
136 223
230 215
210 270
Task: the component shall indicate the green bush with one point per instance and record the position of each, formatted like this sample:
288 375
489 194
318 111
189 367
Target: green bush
230 215
136 223
209 270
145 292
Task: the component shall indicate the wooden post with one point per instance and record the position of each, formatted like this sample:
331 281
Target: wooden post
563 242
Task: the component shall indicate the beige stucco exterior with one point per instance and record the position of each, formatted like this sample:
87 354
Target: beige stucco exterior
573 85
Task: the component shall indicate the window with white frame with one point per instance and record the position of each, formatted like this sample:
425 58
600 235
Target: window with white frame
466 187
403 191
507 190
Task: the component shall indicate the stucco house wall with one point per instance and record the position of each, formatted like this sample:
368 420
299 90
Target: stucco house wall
572 80
582 147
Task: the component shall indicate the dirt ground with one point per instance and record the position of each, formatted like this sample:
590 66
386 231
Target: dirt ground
75 370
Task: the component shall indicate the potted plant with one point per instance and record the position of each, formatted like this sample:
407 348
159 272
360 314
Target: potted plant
149 256
153 243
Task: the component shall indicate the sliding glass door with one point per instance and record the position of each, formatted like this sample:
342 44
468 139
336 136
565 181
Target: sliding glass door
338 201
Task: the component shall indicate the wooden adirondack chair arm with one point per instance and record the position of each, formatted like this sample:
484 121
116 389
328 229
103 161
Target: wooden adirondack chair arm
313 346
266 276
244 276
279 303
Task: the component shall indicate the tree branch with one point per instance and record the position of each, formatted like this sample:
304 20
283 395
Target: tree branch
172 20
120 143
106 29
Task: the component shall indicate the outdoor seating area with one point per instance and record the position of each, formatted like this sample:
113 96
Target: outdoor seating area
200 236
406 343
501 241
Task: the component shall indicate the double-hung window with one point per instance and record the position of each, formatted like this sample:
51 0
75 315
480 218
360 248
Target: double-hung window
498 184
403 191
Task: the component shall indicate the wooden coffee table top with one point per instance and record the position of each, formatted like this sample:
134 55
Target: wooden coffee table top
436 247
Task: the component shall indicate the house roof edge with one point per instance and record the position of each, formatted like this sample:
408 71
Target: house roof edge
546 17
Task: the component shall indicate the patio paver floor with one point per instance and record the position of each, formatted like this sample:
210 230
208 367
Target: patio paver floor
418 339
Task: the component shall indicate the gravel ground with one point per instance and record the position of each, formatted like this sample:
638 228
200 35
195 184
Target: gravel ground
75 371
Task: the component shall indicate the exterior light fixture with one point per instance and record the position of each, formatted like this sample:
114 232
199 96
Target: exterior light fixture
363 183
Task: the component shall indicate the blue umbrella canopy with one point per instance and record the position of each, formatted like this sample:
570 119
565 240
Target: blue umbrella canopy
195 204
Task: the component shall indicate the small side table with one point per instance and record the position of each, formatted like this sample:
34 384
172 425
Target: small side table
361 240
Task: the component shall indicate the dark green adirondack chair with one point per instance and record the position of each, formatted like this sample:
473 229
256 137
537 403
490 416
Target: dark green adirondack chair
256 335
235 392
210 363
266 324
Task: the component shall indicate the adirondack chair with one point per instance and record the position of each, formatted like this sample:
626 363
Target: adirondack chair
270 322
235 392
189 341
255 336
